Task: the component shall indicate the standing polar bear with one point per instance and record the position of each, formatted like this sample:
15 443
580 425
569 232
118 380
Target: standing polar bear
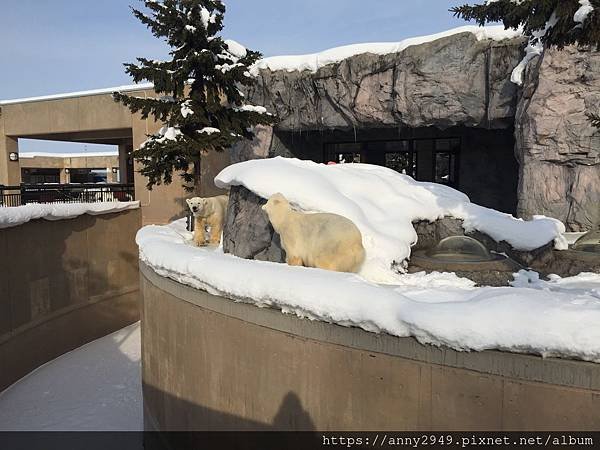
209 211
323 240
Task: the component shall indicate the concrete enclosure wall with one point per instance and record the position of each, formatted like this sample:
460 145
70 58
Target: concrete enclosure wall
209 363
62 284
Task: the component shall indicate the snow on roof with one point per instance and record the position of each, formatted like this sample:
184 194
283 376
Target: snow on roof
67 155
18 215
550 318
110 90
383 204
315 61
310 62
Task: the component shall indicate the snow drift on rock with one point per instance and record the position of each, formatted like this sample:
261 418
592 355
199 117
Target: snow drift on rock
315 61
557 319
18 215
383 204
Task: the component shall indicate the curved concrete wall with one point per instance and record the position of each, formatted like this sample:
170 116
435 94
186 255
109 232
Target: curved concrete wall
63 284
212 364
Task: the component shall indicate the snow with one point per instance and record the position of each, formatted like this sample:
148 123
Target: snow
315 61
534 48
96 387
128 88
235 48
209 130
383 204
67 155
190 28
18 215
206 17
186 109
251 108
583 12
558 318
164 134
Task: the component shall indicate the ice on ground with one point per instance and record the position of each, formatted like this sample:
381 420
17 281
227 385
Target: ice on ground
315 61
96 387
18 215
383 204
439 309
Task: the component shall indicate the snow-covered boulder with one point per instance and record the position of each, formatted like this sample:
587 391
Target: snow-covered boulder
381 202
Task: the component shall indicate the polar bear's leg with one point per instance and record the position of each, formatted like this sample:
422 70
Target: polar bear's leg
216 228
294 261
199 230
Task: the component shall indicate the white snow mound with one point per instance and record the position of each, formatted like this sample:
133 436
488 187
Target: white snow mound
383 204
315 61
18 215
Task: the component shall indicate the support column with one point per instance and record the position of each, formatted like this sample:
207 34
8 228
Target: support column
10 171
123 150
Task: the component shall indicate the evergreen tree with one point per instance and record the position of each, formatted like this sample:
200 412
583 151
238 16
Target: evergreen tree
552 23
198 96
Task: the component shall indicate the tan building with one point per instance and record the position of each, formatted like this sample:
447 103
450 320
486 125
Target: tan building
72 168
94 117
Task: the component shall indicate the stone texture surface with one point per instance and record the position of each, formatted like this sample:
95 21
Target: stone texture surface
256 149
455 80
247 232
557 147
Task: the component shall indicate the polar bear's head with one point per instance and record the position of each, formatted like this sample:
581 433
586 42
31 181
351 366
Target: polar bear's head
197 205
276 206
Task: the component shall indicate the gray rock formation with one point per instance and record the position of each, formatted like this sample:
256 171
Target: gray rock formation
247 232
456 80
557 147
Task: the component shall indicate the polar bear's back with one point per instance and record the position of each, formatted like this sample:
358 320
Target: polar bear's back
330 241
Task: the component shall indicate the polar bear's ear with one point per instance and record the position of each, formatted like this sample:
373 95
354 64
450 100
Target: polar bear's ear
187 200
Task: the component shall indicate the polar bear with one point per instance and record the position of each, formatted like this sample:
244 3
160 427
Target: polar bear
208 211
323 240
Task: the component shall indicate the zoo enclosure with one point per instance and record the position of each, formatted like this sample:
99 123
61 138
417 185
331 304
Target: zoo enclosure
65 193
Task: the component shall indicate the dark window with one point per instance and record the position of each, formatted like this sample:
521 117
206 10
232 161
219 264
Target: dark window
423 159
446 153
40 176
344 153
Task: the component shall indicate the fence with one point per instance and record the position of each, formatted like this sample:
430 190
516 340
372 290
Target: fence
65 193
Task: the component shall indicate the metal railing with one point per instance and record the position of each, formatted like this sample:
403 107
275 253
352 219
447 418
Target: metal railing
65 193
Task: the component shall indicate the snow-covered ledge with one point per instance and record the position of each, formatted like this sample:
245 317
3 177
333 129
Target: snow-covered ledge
18 215
264 370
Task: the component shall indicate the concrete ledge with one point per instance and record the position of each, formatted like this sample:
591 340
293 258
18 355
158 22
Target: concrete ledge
63 284
211 363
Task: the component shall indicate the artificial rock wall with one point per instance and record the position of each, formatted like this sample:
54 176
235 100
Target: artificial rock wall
557 147
458 81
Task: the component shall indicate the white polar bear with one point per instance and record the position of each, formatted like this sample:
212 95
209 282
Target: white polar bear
323 240
208 211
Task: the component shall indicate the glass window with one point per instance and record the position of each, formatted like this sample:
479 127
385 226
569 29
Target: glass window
342 158
445 168
402 162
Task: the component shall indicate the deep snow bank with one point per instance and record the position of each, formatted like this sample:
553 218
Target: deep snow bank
18 215
383 204
315 61
556 318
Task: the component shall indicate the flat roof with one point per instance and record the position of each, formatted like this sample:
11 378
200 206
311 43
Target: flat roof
110 90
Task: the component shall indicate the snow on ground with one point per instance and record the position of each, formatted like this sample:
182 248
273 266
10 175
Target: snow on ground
383 204
315 61
555 318
96 387
18 215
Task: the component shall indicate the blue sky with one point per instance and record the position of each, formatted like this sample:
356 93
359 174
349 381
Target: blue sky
57 46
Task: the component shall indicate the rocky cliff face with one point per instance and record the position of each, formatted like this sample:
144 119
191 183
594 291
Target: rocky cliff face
456 80
557 147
